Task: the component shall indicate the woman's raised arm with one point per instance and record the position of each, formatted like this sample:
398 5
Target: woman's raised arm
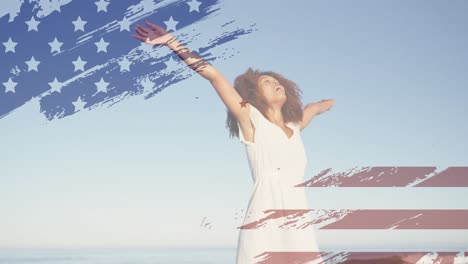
313 109
158 36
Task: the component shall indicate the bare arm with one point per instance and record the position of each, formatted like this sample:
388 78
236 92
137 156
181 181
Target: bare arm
313 109
230 97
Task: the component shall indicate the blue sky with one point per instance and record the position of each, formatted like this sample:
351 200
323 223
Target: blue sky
146 172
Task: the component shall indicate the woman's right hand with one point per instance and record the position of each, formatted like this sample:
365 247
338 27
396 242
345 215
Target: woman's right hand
156 36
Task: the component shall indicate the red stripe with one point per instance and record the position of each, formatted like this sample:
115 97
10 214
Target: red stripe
390 177
346 257
365 219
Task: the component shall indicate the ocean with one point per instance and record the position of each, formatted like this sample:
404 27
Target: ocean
119 256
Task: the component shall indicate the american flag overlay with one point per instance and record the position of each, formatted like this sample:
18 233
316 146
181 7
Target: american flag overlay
377 220
74 56
70 56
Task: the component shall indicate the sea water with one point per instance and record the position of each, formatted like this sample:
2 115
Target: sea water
119 256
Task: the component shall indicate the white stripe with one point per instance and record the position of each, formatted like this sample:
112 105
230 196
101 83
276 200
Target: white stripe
397 240
387 197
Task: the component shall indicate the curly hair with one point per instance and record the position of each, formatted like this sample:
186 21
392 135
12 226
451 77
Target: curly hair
246 85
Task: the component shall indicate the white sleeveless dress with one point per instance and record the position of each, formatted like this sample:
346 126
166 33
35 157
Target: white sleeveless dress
277 163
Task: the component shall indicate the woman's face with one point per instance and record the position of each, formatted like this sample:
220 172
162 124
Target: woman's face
271 89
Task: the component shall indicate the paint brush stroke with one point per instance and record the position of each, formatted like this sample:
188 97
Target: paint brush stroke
346 219
390 177
165 72
128 68
400 219
347 257
363 219
292 219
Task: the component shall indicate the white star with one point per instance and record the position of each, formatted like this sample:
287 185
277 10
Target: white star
125 64
171 63
32 24
56 5
194 4
10 85
101 45
79 24
79 104
56 85
102 5
147 84
101 86
32 64
124 24
79 64
55 45
10 45
171 24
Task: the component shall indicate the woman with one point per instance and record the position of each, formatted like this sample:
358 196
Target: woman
265 112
